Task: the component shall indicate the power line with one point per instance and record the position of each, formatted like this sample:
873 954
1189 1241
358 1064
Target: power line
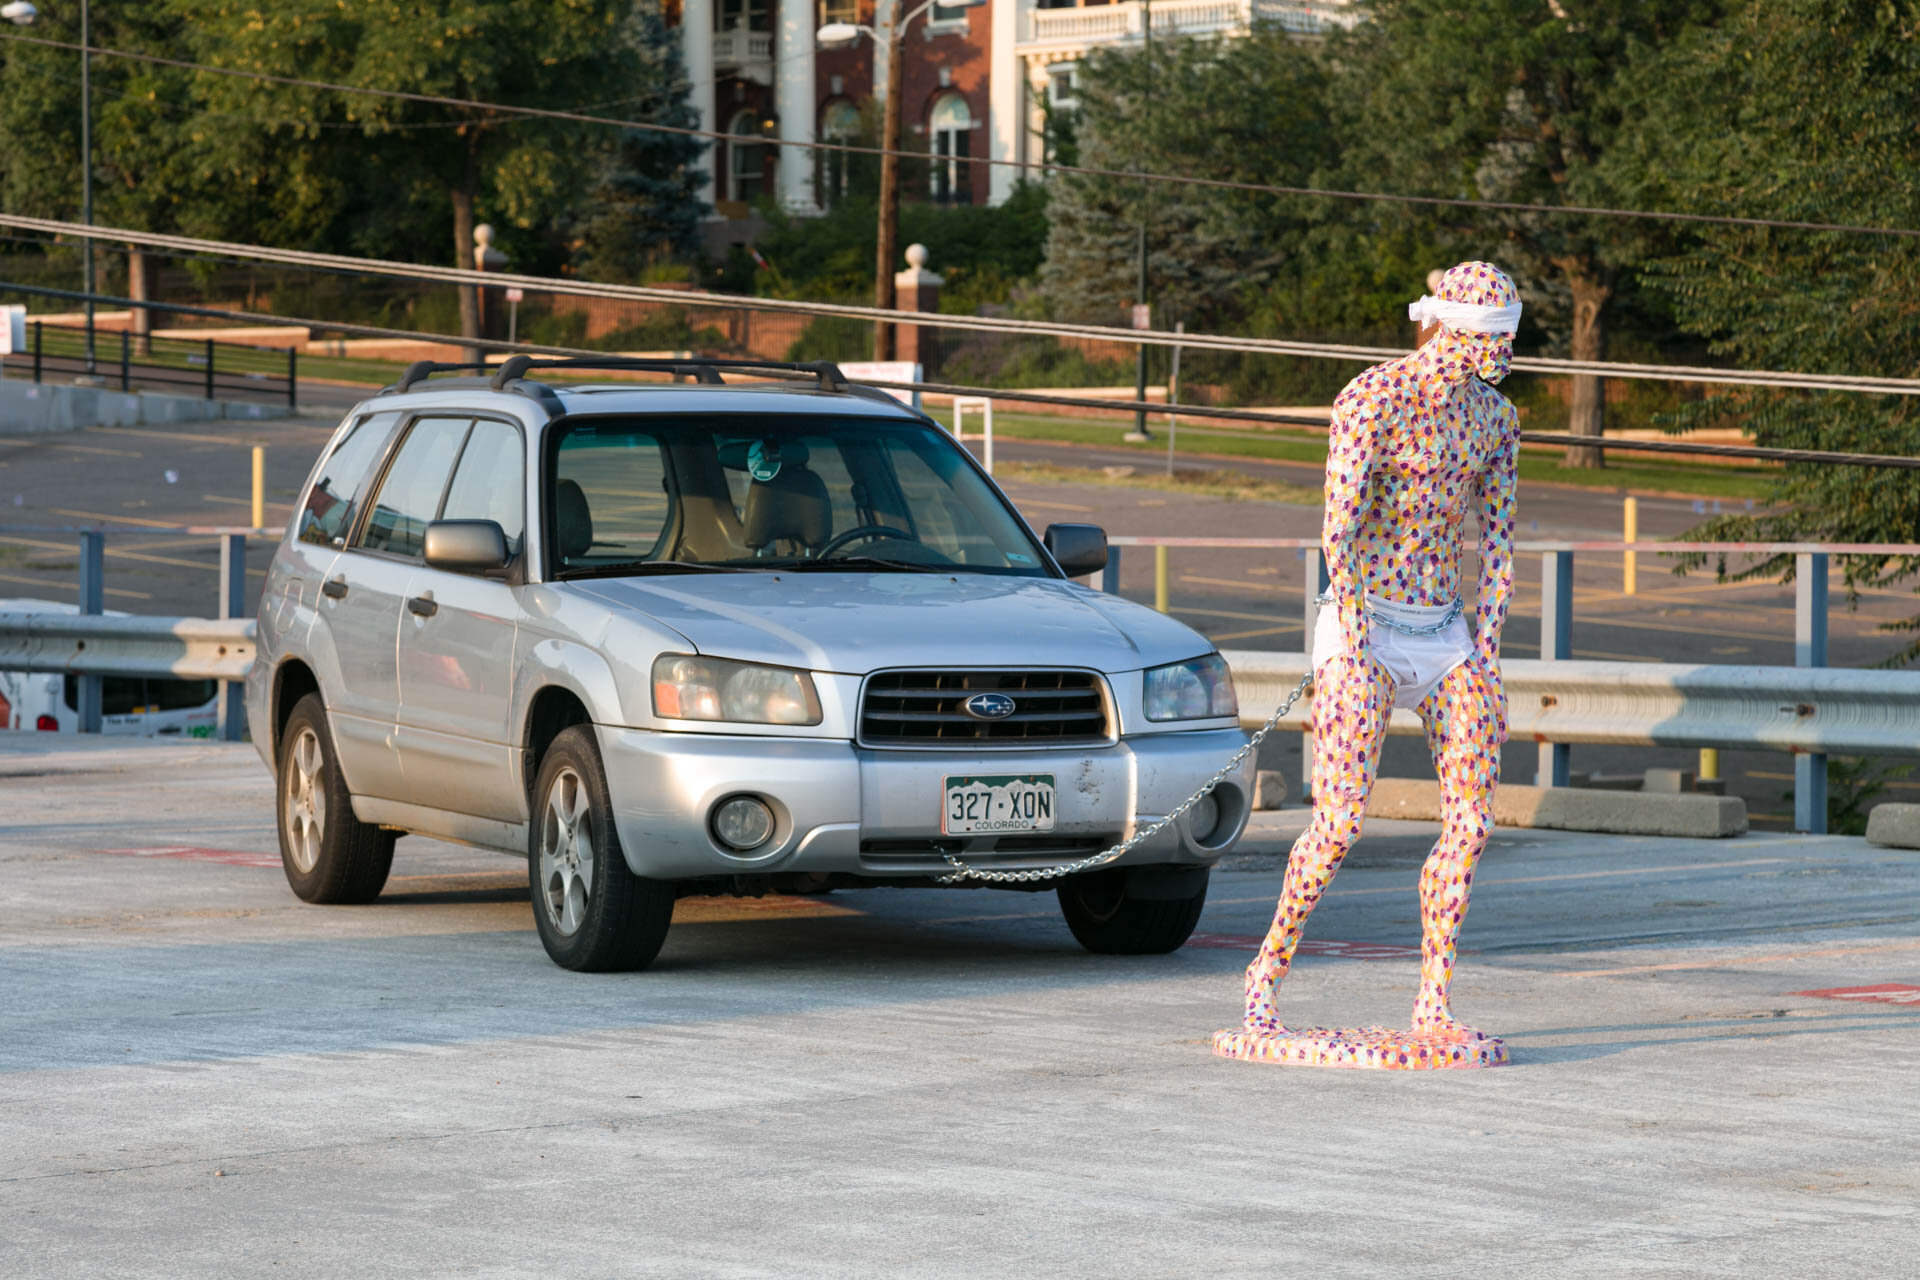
1222 184
1758 453
989 324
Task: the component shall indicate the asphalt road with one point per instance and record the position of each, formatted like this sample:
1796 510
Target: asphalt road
200 474
199 1074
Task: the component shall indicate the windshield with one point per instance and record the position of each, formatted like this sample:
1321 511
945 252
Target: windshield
748 491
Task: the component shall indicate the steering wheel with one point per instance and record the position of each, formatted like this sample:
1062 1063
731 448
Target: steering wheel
838 541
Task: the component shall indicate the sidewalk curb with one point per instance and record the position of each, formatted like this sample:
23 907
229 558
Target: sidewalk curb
1894 826
1627 813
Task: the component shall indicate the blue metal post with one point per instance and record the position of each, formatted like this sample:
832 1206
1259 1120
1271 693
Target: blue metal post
1556 645
1810 650
1110 576
233 604
93 594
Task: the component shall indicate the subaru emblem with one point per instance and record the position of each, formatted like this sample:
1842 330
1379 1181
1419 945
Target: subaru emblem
988 706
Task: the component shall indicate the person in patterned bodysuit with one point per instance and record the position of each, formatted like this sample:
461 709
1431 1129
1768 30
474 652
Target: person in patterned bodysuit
1413 443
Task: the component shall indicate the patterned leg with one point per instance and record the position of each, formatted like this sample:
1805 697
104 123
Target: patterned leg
1464 737
1351 698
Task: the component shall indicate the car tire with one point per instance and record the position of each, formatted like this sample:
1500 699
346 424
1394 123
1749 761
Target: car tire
1110 916
329 855
594 914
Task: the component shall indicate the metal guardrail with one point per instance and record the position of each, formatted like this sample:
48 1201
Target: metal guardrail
85 644
1841 711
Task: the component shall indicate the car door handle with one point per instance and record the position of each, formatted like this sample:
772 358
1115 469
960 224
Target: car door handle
334 588
422 606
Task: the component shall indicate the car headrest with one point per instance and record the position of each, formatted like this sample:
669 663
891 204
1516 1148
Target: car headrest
572 519
791 505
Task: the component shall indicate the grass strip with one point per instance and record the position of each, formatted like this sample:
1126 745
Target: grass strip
1719 480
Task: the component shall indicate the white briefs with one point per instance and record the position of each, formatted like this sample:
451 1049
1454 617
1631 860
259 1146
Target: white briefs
1417 663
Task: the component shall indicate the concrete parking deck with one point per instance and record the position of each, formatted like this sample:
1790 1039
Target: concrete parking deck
1714 1046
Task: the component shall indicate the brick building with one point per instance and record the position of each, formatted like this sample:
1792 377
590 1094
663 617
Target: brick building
976 82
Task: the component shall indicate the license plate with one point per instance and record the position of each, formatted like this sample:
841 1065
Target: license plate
998 803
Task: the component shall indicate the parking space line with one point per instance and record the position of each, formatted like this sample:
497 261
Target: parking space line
44 582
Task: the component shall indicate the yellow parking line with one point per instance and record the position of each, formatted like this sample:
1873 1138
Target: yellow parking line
124 555
114 519
42 582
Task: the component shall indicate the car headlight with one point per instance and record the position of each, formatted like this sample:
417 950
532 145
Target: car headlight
1198 690
693 688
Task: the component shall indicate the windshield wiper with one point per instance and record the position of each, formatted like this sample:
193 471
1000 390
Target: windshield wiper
646 568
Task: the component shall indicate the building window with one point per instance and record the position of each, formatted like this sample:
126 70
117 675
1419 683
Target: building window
746 161
951 16
1061 78
839 122
839 11
951 124
742 15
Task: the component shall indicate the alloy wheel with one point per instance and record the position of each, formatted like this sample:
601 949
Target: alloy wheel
566 852
306 801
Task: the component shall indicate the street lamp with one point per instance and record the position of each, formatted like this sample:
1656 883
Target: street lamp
21 13
841 35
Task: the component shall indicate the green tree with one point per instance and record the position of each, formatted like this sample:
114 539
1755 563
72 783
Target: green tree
151 165
646 205
1516 100
1806 110
556 55
1250 109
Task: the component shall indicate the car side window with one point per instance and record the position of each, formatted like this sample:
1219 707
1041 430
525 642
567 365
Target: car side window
337 489
490 481
410 492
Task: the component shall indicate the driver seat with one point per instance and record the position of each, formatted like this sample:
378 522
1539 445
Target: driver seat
793 505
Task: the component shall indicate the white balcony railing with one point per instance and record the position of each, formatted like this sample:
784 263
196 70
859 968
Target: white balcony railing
749 52
1123 23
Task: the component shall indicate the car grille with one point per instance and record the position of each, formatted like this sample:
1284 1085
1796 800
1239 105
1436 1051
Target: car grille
921 708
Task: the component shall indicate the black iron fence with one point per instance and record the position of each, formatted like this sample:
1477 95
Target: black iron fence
204 367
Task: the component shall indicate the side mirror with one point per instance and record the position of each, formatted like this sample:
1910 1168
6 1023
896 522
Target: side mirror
466 546
1081 549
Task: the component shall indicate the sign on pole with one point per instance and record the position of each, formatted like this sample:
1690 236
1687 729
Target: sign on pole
13 330
1143 315
885 371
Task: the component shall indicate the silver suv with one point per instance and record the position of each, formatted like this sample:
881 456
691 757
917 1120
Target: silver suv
670 638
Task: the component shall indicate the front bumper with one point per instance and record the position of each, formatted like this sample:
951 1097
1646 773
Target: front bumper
843 808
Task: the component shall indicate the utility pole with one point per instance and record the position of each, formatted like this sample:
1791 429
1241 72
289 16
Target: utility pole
86 163
1140 431
884 263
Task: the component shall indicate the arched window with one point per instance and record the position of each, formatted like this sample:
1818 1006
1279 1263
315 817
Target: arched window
746 161
839 122
950 125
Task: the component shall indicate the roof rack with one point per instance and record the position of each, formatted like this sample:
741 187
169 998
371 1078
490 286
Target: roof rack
420 370
826 374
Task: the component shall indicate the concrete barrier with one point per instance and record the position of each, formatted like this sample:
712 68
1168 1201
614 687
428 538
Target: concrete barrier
1627 813
1894 826
28 408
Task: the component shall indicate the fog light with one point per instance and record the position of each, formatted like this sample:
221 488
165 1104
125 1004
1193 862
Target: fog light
1203 818
742 823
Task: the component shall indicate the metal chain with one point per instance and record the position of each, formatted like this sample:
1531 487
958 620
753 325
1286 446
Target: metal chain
963 872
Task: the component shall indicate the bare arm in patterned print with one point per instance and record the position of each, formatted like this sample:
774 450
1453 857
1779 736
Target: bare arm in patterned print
1353 441
1498 484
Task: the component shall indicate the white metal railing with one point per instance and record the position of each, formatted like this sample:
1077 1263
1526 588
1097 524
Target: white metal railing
1116 23
109 645
737 48
1831 710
